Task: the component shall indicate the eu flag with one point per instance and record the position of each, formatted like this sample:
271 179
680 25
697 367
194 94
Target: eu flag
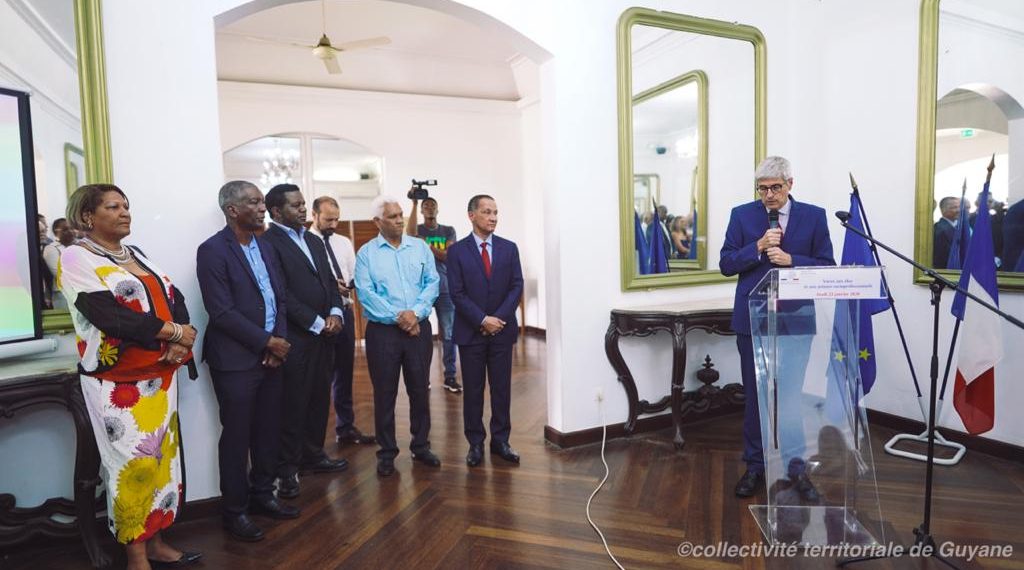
962 235
852 322
643 254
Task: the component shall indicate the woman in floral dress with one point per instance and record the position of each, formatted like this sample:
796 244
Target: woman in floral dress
133 335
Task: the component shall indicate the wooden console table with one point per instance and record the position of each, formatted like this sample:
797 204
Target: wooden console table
678 319
28 383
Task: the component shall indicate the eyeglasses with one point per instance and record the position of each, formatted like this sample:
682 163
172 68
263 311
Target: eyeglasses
774 189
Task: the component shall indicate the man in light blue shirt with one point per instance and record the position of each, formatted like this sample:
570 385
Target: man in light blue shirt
397 284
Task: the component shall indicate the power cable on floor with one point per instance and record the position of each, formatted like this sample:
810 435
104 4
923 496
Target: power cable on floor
607 471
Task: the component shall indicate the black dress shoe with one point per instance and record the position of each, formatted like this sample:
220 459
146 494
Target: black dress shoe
385 467
505 451
805 488
288 487
273 508
186 559
749 483
427 458
353 435
475 455
242 528
325 465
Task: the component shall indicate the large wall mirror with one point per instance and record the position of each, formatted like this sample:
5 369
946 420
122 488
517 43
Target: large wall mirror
55 53
971 108
691 99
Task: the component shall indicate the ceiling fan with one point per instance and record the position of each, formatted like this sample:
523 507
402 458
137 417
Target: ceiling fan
324 50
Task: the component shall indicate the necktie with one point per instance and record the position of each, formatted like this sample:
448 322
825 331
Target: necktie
487 259
334 260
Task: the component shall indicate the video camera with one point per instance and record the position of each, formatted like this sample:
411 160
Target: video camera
418 192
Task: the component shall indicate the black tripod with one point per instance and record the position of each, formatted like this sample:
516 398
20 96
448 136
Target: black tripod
923 537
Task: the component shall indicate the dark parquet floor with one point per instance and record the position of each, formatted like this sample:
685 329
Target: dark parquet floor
532 516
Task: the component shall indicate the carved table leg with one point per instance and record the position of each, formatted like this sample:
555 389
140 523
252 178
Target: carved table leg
87 468
678 376
611 350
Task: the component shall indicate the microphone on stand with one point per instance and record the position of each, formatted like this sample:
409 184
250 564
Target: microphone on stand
843 216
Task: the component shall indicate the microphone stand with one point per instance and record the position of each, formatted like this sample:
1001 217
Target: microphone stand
924 540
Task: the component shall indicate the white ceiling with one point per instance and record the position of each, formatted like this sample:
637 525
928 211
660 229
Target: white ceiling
430 52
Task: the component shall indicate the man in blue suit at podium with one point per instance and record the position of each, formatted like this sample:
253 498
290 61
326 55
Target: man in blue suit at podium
773 231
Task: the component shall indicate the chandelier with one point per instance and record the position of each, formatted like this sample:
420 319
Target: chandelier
279 166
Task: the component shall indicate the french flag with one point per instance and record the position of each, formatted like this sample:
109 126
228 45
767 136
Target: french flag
982 345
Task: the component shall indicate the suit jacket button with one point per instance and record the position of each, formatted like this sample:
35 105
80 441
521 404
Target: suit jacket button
261 306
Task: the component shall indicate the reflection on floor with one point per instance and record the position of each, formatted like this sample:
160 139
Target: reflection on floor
532 516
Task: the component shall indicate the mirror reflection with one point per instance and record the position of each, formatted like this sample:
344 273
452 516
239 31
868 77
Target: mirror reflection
979 115
666 138
691 96
325 165
43 62
669 106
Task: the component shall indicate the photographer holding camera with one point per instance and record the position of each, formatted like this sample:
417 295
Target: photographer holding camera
439 237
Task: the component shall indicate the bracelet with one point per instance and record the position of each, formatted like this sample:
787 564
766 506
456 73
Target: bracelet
177 334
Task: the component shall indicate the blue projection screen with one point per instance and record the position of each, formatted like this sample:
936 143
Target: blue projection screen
20 281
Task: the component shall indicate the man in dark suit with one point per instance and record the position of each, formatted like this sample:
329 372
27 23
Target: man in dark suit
751 249
343 268
245 346
314 314
1013 238
944 229
486 281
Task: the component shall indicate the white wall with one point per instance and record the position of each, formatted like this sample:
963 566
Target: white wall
832 68
470 146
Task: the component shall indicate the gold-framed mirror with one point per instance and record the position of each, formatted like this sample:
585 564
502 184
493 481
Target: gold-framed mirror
95 155
687 87
970 108
74 167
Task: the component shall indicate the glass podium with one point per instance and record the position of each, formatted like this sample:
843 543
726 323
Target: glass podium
819 470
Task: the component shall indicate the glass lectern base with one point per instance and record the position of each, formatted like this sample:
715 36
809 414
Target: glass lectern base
811 526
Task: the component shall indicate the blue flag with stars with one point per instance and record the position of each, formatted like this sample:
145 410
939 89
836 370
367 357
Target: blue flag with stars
852 335
643 252
658 245
961 236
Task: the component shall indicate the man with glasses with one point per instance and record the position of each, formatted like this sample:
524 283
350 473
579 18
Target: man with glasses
753 246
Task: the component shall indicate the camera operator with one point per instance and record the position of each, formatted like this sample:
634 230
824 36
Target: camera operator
439 237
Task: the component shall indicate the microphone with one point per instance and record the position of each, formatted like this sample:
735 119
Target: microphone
843 216
773 219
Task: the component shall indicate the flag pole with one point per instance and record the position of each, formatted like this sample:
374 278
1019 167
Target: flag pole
888 291
923 536
890 446
956 327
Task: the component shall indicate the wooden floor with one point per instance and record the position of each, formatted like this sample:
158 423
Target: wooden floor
532 516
